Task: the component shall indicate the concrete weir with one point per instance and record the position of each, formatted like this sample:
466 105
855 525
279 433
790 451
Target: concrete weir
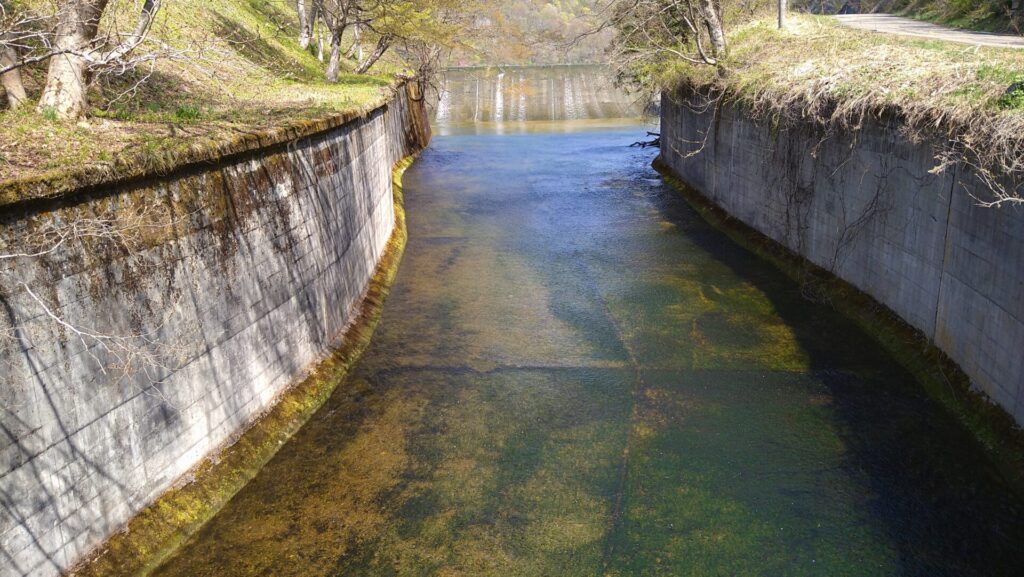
866 207
192 302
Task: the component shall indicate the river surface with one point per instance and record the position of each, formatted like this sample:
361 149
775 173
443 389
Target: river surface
576 375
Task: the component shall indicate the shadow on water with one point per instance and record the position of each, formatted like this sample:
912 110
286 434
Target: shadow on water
944 507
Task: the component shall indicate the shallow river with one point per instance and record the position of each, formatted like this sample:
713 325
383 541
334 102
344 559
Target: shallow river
575 375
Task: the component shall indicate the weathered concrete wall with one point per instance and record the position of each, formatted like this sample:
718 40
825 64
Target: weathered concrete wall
865 206
201 295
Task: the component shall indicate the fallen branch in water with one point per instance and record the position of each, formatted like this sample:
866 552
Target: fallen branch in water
644 144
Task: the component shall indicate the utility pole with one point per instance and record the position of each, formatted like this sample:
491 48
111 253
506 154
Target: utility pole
782 14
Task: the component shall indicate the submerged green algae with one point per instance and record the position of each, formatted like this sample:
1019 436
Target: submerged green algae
576 375
999 435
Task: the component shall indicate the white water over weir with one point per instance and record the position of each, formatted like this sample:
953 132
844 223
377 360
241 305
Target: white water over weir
526 93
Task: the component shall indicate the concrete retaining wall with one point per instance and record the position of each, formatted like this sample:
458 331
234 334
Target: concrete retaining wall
865 206
190 302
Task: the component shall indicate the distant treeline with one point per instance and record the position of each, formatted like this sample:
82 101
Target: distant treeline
541 32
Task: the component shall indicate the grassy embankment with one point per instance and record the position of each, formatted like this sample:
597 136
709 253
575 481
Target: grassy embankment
987 15
816 61
821 72
238 71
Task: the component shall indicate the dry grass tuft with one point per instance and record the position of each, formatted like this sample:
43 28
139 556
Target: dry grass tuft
817 71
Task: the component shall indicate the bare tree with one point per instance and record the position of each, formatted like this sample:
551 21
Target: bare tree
305 23
384 42
77 51
709 13
320 43
66 79
338 16
649 31
10 60
11 80
356 50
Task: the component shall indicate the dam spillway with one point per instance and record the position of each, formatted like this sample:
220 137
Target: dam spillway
577 375
510 94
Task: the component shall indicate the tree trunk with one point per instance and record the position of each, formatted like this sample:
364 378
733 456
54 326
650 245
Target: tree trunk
713 22
67 77
334 64
11 80
320 43
357 47
382 46
305 26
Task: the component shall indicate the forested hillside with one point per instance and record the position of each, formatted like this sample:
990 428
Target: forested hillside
541 32
87 80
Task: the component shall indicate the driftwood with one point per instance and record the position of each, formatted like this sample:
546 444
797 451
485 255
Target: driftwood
644 144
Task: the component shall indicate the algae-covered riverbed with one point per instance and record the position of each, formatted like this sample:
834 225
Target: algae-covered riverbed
576 375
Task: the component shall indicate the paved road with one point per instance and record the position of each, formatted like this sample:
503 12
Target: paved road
908 27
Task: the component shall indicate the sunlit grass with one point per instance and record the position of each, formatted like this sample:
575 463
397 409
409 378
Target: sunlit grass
815 59
238 69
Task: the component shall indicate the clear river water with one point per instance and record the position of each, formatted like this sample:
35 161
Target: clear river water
576 375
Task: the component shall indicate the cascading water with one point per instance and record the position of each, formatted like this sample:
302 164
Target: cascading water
476 102
550 94
521 115
499 99
444 103
570 100
531 93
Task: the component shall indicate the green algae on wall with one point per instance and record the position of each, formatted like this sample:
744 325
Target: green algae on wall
154 534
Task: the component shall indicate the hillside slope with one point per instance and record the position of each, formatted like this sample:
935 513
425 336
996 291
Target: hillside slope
989 15
971 99
228 67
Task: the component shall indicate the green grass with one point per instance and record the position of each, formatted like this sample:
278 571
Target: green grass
817 56
984 15
1013 99
242 71
819 71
